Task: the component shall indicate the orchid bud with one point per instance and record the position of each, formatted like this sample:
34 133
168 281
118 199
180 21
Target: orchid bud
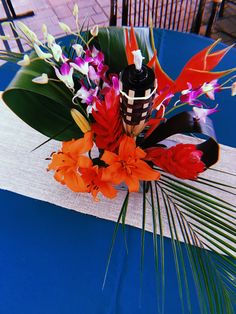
44 30
57 51
50 40
80 120
65 27
79 49
42 79
25 61
27 32
233 89
94 31
41 54
75 10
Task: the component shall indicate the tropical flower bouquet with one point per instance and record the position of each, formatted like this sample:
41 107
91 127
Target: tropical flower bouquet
107 98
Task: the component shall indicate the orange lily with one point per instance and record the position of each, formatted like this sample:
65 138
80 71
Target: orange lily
66 162
92 178
128 165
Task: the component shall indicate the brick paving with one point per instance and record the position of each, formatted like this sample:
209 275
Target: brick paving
97 12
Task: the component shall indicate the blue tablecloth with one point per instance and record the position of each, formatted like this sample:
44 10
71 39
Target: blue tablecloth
53 260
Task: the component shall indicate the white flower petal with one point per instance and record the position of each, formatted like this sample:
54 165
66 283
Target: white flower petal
41 54
94 31
42 79
25 61
57 51
233 89
78 49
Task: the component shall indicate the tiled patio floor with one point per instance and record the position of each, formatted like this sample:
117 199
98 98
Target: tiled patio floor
94 12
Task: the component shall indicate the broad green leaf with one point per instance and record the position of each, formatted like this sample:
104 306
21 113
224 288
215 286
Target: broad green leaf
45 107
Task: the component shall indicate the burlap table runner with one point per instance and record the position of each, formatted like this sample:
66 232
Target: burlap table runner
24 172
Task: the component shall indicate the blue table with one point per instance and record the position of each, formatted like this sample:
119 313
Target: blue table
53 260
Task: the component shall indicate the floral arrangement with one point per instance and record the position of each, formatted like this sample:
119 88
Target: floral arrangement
114 119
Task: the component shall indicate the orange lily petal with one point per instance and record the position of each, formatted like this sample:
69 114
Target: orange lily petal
144 172
127 146
109 157
133 183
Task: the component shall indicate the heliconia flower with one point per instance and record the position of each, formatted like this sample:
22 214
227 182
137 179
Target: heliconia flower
42 79
78 49
130 45
154 122
57 51
80 120
80 65
138 59
92 178
108 125
233 89
68 161
28 33
94 31
182 160
128 165
25 61
41 54
202 113
65 74
197 70
65 27
210 88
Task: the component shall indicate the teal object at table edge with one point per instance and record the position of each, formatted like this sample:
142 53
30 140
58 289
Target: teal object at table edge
53 260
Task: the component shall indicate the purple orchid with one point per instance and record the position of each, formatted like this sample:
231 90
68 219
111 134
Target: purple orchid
190 96
96 56
201 113
81 65
210 88
87 96
65 74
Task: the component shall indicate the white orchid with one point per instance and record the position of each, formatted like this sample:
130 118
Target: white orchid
65 74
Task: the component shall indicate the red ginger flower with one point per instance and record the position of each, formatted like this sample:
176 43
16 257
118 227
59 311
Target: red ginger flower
108 125
182 160
128 165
